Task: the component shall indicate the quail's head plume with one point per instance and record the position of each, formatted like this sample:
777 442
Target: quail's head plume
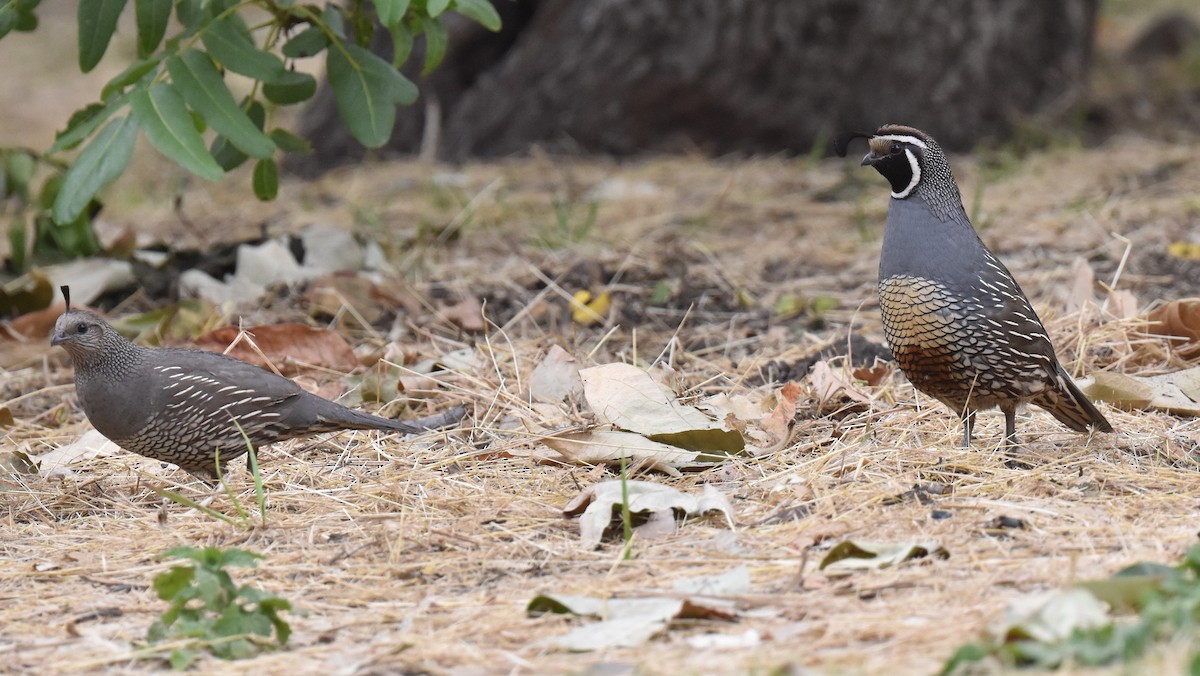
191 407
956 321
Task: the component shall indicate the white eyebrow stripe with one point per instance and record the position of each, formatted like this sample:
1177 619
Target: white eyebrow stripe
904 138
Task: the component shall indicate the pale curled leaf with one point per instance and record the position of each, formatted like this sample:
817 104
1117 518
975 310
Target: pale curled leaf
1050 618
627 397
598 505
1177 392
556 377
848 555
596 447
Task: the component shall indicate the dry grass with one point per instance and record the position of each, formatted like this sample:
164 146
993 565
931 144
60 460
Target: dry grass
419 556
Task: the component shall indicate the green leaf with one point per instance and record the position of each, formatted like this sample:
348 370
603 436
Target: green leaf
8 18
391 12
19 167
332 16
289 142
435 43
203 88
366 89
266 180
292 87
230 43
436 7
100 163
18 235
225 153
239 558
97 22
83 123
480 11
152 18
402 44
181 659
164 118
131 75
169 583
308 42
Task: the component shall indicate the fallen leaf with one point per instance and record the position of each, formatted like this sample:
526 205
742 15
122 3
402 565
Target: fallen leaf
828 382
607 446
1049 618
36 325
747 639
90 278
780 419
29 292
290 347
1083 284
1177 392
850 556
629 622
6 417
599 505
1122 304
556 377
732 582
627 397
1180 320
872 375
89 445
17 462
467 314
332 295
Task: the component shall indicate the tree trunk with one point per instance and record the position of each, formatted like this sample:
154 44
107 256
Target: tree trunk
737 76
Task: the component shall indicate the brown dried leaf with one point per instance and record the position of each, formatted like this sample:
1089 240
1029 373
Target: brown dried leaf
290 347
781 418
872 375
1179 319
34 325
329 295
1083 283
828 382
467 314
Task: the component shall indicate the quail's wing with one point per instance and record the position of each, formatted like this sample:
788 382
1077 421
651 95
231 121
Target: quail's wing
215 394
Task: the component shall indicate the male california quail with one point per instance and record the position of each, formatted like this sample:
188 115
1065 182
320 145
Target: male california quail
955 319
185 406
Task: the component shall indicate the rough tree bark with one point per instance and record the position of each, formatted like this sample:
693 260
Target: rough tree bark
737 76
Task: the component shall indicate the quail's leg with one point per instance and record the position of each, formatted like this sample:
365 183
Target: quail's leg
968 428
1010 426
1011 447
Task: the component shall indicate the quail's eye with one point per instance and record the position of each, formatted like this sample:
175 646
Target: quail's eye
896 147
82 328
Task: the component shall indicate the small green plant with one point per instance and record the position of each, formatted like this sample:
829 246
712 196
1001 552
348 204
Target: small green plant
1166 602
568 227
208 611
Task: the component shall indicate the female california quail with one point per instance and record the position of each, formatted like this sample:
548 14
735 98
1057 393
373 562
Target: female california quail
185 406
955 319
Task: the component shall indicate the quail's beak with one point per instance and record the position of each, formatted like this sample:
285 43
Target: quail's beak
870 159
57 337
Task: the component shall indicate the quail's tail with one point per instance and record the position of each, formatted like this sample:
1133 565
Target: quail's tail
344 418
1072 408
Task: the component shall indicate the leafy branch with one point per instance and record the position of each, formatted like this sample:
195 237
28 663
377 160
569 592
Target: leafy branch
176 94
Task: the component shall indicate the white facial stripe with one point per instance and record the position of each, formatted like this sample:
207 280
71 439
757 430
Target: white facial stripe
904 138
915 166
